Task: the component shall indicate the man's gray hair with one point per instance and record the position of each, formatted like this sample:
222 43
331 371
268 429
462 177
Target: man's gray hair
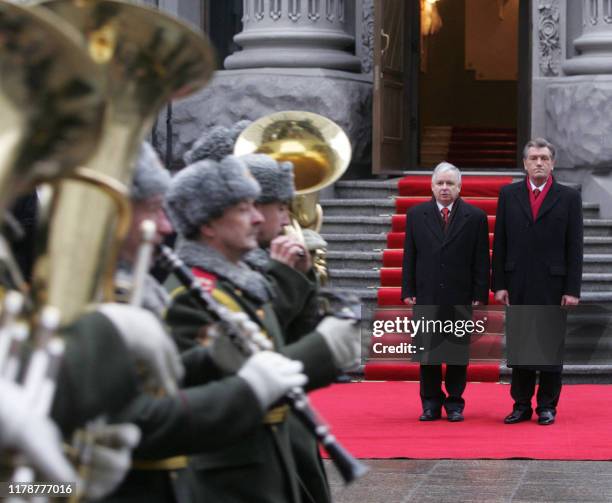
539 143
443 167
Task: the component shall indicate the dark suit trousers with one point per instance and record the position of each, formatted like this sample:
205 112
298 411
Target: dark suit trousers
432 396
523 388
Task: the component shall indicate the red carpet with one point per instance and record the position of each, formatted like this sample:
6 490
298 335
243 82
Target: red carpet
379 420
481 191
408 371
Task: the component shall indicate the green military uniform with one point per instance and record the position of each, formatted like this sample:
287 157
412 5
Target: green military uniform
261 467
97 375
210 411
295 304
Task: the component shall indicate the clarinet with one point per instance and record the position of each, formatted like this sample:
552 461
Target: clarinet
349 467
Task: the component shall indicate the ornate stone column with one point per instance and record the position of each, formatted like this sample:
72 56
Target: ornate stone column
595 43
295 34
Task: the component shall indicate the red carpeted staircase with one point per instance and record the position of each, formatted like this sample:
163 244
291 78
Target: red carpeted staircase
481 191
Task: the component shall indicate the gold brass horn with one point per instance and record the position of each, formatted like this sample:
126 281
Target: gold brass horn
51 104
147 58
318 148
320 152
51 100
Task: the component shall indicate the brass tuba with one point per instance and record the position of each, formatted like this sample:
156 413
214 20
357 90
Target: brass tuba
147 58
51 104
320 152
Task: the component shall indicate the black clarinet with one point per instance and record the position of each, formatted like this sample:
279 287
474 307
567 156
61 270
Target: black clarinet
349 467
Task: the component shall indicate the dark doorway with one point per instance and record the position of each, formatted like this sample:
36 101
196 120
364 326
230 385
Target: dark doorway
469 80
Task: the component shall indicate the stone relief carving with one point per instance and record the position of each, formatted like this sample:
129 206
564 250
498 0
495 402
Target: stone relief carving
329 10
607 11
259 9
593 12
246 8
314 10
367 36
295 10
549 38
276 9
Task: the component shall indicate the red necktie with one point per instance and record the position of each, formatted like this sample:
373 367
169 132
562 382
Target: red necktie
445 213
536 193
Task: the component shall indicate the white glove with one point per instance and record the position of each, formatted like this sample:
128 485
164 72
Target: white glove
313 240
148 341
35 436
223 351
271 375
344 340
111 458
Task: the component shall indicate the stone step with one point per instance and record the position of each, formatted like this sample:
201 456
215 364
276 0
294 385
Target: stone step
353 260
597 244
363 207
368 297
364 278
377 207
595 263
368 189
600 263
374 242
348 224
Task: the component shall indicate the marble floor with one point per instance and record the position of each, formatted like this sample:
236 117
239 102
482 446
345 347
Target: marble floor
440 481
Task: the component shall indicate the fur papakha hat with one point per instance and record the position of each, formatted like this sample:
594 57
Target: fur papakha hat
215 143
150 177
202 191
275 178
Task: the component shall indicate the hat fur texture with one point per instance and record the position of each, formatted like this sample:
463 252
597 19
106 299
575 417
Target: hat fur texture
275 178
202 191
215 143
150 177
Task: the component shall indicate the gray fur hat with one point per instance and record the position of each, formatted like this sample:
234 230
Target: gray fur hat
216 143
275 178
150 177
203 191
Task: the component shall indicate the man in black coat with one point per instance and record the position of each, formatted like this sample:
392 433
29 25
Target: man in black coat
446 264
537 260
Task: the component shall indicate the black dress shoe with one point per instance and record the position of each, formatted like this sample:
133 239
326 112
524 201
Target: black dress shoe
517 416
546 417
454 416
430 415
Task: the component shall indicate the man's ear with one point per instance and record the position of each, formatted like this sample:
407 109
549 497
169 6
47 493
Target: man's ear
207 230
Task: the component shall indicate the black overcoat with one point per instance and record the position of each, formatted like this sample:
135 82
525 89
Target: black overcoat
538 261
446 268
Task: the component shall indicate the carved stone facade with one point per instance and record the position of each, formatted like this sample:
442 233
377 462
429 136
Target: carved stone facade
595 43
549 38
579 121
295 34
367 36
571 91
233 95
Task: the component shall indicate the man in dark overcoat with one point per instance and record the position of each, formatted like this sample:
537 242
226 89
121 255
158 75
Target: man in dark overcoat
537 260
446 264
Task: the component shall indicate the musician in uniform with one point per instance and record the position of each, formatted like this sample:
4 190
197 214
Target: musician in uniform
196 419
215 232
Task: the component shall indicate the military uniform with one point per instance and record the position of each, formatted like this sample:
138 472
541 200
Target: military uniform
261 467
295 304
89 385
210 411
